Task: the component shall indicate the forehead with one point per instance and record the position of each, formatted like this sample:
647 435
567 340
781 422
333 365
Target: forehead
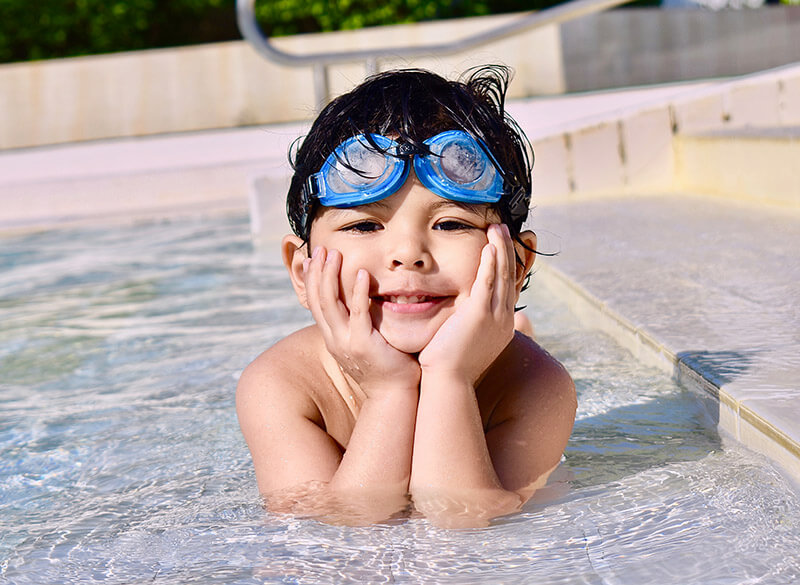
412 196
425 204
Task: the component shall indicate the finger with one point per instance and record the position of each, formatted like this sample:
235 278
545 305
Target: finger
360 319
513 293
505 296
333 309
313 276
483 287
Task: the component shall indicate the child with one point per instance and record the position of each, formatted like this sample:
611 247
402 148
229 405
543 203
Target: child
412 388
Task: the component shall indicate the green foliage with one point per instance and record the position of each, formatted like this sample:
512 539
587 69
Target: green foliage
283 17
61 28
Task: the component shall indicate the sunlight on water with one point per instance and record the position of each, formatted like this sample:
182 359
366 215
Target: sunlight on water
121 459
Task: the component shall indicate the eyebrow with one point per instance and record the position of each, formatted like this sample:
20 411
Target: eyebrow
383 205
476 208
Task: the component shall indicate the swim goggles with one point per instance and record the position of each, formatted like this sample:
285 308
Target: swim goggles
368 168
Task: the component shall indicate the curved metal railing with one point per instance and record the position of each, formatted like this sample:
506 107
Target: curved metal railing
251 31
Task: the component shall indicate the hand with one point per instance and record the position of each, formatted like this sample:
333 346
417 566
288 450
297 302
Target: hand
483 324
349 336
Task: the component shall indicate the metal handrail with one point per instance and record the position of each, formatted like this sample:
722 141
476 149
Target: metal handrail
251 31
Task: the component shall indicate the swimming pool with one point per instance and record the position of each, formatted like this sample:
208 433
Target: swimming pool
121 459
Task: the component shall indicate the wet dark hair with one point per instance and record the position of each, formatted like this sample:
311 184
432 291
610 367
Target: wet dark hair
411 105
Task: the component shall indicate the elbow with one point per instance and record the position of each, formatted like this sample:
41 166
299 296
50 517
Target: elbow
349 507
473 508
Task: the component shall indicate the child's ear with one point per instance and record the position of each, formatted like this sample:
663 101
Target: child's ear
527 254
293 251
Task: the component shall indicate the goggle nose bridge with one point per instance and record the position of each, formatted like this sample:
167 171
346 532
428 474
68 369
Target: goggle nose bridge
406 150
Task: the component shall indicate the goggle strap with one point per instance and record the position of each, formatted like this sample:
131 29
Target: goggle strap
307 193
312 186
519 203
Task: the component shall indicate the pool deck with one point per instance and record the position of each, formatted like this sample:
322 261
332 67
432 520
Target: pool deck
127 179
706 288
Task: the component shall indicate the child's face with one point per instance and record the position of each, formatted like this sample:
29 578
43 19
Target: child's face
422 253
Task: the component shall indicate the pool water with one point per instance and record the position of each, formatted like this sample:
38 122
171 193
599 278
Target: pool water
121 459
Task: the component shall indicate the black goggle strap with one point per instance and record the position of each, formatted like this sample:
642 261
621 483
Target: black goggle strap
307 195
519 202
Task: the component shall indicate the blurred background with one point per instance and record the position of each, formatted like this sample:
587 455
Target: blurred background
49 29
88 69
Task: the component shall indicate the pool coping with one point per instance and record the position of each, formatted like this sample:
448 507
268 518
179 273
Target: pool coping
732 416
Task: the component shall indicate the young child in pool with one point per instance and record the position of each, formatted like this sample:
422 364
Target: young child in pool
412 388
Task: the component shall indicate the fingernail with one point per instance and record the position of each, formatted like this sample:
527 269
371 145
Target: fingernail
306 262
316 252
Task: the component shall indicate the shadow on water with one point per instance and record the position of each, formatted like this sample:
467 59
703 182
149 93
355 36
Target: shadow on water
667 428
629 439
719 367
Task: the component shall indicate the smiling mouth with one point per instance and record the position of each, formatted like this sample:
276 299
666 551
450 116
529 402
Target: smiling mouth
406 300
412 304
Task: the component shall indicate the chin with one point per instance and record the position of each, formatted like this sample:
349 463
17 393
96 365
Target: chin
407 343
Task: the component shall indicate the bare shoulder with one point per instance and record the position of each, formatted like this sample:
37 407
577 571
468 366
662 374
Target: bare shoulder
282 413
532 414
526 374
281 378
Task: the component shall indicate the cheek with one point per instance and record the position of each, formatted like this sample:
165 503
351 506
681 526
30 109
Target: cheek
467 260
351 264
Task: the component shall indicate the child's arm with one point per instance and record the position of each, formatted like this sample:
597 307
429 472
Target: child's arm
369 480
378 455
461 475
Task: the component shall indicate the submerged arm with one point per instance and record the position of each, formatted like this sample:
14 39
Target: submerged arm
462 472
453 479
297 449
302 469
465 473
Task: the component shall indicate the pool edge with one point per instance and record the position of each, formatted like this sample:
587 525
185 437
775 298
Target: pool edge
733 417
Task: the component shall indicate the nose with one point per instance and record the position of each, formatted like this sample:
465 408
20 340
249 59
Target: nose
409 252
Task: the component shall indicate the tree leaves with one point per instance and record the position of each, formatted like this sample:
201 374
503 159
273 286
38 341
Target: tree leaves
63 28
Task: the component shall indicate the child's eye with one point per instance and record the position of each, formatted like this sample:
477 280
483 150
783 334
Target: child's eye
363 227
452 224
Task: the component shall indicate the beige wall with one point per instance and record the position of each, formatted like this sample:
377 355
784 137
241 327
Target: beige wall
228 84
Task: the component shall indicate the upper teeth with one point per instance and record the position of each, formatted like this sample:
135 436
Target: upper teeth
407 300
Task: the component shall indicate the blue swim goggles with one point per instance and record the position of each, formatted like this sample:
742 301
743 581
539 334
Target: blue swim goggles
368 168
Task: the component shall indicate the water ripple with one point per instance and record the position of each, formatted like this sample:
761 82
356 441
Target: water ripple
121 459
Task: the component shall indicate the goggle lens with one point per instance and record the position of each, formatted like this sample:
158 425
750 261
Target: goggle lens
356 168
356 173
461 163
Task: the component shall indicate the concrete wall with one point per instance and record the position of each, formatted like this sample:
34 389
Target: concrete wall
642 46
735 138
228 84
